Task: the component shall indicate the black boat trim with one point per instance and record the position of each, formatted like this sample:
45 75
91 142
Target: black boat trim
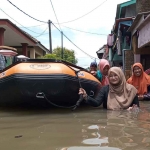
45 61
46 77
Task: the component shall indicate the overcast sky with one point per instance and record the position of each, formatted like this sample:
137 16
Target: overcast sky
99 21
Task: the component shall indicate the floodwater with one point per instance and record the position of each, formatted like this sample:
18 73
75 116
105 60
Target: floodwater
86 128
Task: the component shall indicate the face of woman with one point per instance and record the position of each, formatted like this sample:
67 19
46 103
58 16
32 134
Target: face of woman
105 70
93 68
113 78
137 71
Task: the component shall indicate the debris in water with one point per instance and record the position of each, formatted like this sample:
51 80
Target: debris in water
18 136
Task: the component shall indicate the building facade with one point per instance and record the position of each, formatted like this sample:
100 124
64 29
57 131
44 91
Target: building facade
119 41
11 35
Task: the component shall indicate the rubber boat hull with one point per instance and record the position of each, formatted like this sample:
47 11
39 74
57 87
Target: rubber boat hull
30 87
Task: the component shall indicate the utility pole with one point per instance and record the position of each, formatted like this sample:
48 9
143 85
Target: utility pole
62 49
50 37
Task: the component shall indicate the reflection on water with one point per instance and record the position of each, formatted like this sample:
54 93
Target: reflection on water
86 128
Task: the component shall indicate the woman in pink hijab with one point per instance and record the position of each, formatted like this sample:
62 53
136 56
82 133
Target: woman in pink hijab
102 73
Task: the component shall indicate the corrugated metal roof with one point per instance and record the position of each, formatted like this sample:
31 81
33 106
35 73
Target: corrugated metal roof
144 22
101 50
136 20
120 20
127 3
121 5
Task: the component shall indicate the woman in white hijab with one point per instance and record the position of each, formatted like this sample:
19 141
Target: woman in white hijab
117 95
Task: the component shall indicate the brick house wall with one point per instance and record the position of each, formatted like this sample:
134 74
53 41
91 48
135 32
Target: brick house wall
142 6
129 61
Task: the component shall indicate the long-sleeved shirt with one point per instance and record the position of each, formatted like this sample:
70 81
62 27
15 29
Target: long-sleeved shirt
147 95
102 98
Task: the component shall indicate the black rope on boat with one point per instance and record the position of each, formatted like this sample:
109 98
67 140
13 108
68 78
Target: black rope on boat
44 96
76 72
78 102
81 95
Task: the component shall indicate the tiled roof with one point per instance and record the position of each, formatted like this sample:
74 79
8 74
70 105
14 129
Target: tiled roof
26 34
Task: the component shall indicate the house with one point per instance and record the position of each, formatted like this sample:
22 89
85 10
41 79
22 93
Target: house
129 41
135 40
101 51
140 32
11 35
119 40
122 50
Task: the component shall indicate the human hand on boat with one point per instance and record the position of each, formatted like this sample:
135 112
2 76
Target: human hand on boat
83 92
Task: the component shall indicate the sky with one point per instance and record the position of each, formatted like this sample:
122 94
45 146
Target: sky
99 19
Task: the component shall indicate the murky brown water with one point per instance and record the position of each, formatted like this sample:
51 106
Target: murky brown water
86 128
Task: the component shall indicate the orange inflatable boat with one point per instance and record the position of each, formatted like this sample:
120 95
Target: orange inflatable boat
53 81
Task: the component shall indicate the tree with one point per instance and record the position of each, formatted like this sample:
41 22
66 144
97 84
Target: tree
68 55
50 56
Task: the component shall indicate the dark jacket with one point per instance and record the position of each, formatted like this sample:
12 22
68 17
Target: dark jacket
102 98
147 95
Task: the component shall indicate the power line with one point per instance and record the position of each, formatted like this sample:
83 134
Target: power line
84 31
57 23
25 13
76 45
60 29
42 33
80 48
17 21
84 14
56 26
34 26
55 14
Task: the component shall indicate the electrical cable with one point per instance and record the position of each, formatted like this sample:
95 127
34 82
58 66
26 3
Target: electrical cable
34 26
17 21
54 11
25 12
58 22
42 33
84 14
77 46
55 14
84 31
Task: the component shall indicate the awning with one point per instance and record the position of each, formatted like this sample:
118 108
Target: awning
8 48
7 52
22 56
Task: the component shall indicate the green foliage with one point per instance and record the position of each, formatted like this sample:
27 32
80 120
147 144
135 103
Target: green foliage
68 55
50 56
